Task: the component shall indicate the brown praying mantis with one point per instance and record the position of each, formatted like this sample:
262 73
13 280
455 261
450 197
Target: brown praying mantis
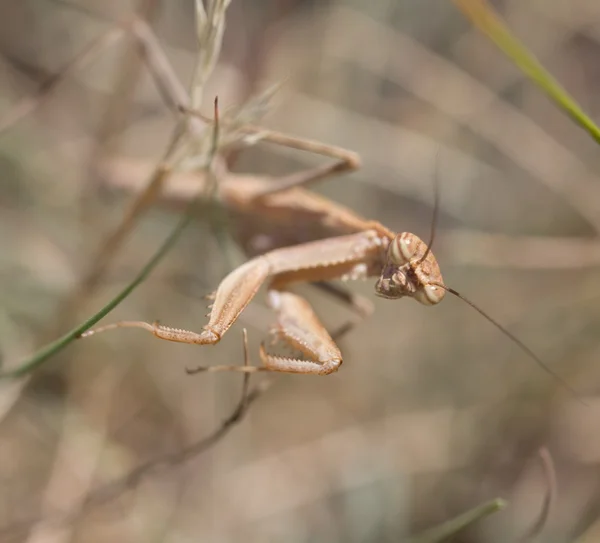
291 235
299 236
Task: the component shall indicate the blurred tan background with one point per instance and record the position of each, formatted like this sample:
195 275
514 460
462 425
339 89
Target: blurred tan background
434 411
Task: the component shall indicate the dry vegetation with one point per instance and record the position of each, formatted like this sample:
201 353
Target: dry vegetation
433 412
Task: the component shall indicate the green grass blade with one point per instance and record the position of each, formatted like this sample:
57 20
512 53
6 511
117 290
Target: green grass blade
488 22
451 527
53 348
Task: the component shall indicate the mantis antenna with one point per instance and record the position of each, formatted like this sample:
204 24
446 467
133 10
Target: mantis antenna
436 206
514 339
458 295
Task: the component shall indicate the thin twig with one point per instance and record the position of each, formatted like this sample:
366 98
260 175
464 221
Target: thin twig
168 84
133 478
114 489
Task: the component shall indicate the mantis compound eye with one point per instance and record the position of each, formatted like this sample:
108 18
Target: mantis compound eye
403 247
429 294
434 294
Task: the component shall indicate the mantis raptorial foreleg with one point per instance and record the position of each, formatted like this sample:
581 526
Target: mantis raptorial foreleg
299 327
234 293
352 256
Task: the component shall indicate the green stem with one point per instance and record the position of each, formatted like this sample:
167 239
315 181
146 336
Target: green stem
56 346
451 527
484 18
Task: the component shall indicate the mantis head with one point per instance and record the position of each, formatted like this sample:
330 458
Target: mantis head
410 269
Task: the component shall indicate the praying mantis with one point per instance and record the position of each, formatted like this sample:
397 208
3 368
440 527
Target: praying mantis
293 236
405 265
